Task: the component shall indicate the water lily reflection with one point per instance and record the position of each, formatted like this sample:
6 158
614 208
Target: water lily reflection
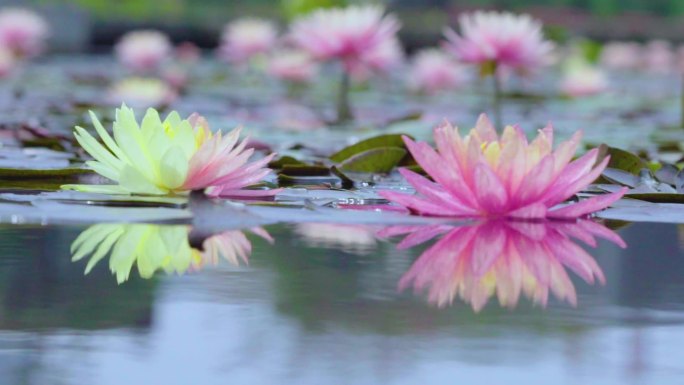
155 247
504 259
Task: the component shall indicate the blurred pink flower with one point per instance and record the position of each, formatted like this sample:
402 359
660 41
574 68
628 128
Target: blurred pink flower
7 62
381 60
621 55
500 38
352 35
187 53
244 38
503 259
292 65
583 79
143 50
432 71
22 31
484 175
659 57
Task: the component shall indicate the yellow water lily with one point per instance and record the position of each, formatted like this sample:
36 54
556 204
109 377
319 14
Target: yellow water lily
159 157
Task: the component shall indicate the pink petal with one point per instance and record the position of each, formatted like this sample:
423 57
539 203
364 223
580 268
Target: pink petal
587 206
490 192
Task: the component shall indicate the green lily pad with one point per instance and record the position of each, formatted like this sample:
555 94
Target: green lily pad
285 161
624 160
382 141
378 160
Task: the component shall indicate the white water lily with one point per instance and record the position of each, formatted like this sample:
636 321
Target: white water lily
159 157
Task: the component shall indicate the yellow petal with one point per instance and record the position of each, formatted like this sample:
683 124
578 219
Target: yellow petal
173 168
133 181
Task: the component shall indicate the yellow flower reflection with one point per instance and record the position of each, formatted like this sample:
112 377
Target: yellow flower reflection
504 259
158 247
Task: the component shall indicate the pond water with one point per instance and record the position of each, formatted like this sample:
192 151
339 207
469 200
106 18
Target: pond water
298 289
320 304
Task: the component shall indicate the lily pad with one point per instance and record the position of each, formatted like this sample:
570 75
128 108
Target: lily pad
378 160
625 160
382 141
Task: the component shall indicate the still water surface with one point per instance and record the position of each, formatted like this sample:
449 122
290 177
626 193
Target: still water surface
320 304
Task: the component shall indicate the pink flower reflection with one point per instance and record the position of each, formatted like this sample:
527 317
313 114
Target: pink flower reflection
504 259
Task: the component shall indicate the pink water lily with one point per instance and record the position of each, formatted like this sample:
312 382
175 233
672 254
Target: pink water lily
487 175
346 34
502 38
23 32
504 259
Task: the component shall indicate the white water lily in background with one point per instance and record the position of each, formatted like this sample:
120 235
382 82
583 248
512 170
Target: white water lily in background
141 93
582 79
175 155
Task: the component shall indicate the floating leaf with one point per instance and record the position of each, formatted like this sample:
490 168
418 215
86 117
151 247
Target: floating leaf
378 160
667 173
624 160
391 140
624 178
285 161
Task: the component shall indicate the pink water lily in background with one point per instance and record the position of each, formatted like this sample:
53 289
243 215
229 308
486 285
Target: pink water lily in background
143 50
504 259
383 59
7 62
620 55
486 175
432 71
244 38
22 31
292 65
346 34
500 38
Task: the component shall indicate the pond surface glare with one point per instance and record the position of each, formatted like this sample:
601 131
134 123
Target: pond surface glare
320 304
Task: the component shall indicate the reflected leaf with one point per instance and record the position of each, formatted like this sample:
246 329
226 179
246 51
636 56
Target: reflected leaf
501 258
155 248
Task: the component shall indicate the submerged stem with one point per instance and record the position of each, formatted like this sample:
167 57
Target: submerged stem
497 100
344 113
681 106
